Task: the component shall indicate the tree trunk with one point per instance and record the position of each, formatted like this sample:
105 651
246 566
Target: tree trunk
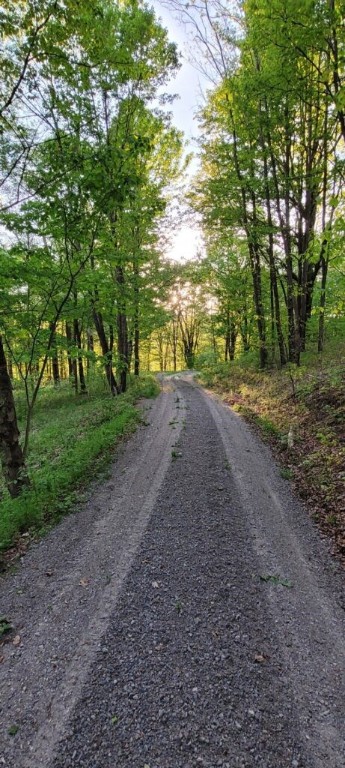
130 352
160 344
136 352
9 365
77 337
55 358
321 334
136 320
174 342
259 309
233 337
69 338
253 249
148 359
99 325
122 330
111 337
275 303
12 458
227 336
90 348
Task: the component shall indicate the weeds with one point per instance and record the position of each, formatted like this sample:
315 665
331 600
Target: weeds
286 473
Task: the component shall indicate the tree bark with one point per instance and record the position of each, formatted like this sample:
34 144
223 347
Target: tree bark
69 338
136 320
321 334
55 359
253 249
77 337
90 348
99 325
12 458
122 330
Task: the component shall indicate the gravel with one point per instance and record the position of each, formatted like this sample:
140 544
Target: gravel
65 589
222 642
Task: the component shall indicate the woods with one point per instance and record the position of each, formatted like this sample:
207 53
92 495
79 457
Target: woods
92 166
86 158
270 188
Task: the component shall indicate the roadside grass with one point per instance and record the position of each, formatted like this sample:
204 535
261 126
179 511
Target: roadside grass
300 412
72 442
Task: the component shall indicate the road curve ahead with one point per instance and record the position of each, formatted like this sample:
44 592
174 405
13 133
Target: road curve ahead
222 644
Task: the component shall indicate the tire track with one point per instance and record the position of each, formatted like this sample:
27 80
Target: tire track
61 618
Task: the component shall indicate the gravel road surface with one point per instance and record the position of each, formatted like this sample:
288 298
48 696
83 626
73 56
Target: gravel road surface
189 615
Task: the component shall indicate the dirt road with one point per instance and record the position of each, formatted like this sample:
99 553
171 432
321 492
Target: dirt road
189 615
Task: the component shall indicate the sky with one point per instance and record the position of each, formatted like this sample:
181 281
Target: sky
186 241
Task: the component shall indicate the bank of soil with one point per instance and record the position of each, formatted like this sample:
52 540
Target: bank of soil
311 411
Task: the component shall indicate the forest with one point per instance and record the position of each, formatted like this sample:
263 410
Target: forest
95 178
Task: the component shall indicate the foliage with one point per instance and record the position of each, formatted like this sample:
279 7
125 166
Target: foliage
87 153
270 189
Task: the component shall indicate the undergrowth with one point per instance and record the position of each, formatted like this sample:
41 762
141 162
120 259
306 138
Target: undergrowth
72 441
301 413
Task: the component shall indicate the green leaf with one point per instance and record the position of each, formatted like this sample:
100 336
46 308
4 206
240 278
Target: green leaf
5 626
276 579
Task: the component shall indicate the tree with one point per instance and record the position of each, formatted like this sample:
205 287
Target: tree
271 163
82 72
12 458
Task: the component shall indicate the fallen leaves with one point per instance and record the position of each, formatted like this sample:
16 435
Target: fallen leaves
84 582
316 462
17 640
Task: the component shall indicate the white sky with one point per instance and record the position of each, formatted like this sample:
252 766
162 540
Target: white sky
188 84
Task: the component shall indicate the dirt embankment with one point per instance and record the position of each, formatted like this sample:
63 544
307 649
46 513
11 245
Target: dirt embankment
303 421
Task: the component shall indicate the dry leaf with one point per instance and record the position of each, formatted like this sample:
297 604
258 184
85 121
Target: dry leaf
16 640
49 573
260 658
2 658
155 584
84 582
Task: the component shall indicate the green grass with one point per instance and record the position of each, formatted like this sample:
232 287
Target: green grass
72 442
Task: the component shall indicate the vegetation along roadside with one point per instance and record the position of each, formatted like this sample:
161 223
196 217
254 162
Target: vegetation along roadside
72 442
